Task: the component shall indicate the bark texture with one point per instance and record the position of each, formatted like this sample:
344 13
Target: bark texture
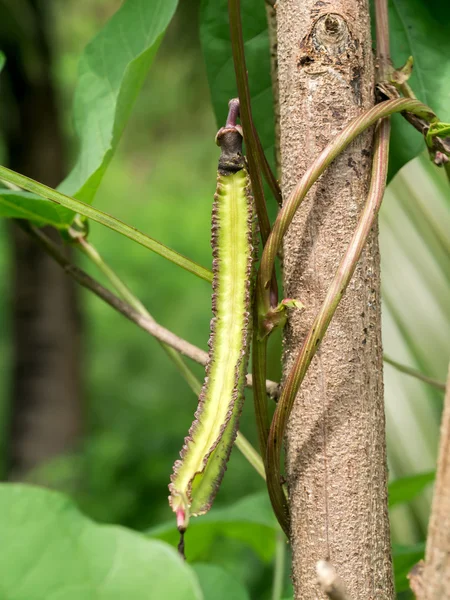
336 457
432 580
46 408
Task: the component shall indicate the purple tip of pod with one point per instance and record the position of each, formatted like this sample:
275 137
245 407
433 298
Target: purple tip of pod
233 113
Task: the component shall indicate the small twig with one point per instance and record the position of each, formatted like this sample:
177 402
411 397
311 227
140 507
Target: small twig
439 385
158 331
330 581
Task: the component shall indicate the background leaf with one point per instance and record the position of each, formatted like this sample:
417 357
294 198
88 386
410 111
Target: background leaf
111 73
112 70
421 30
55 552
406 488
249 520
217 584
216 45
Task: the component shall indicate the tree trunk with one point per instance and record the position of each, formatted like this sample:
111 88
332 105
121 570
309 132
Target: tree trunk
431 581
336 456
46 395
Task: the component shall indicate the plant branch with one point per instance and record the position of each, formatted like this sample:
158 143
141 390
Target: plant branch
319 327
330 581
104 219
439 385
325 158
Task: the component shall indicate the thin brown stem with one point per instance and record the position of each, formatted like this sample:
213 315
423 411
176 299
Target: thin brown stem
253 156
382 34
257 162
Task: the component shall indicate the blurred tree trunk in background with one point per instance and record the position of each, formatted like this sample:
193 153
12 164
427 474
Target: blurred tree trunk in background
45 413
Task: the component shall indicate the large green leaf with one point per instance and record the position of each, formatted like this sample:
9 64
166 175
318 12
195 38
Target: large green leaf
215 38
407 488
52 551
420 29
249 520
217 584
417 27
112 70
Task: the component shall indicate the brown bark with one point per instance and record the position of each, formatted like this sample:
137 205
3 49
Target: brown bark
336 457
432 580
46 395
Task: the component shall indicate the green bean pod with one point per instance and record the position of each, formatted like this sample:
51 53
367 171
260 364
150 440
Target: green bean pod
197 475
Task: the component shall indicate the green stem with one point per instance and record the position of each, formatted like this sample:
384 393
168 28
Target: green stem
122 289
325 158
280 561
259 357
104 219
439 385
320 324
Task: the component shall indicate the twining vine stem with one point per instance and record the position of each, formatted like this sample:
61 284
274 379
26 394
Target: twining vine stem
262 299
325 158
320 324
257 161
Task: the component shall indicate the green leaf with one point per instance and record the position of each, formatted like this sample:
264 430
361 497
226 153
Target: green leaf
407 488
217 584
112 70
96 215
2 61
54 552
216 46
422 30
19 205
440 129
405 557
249 520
